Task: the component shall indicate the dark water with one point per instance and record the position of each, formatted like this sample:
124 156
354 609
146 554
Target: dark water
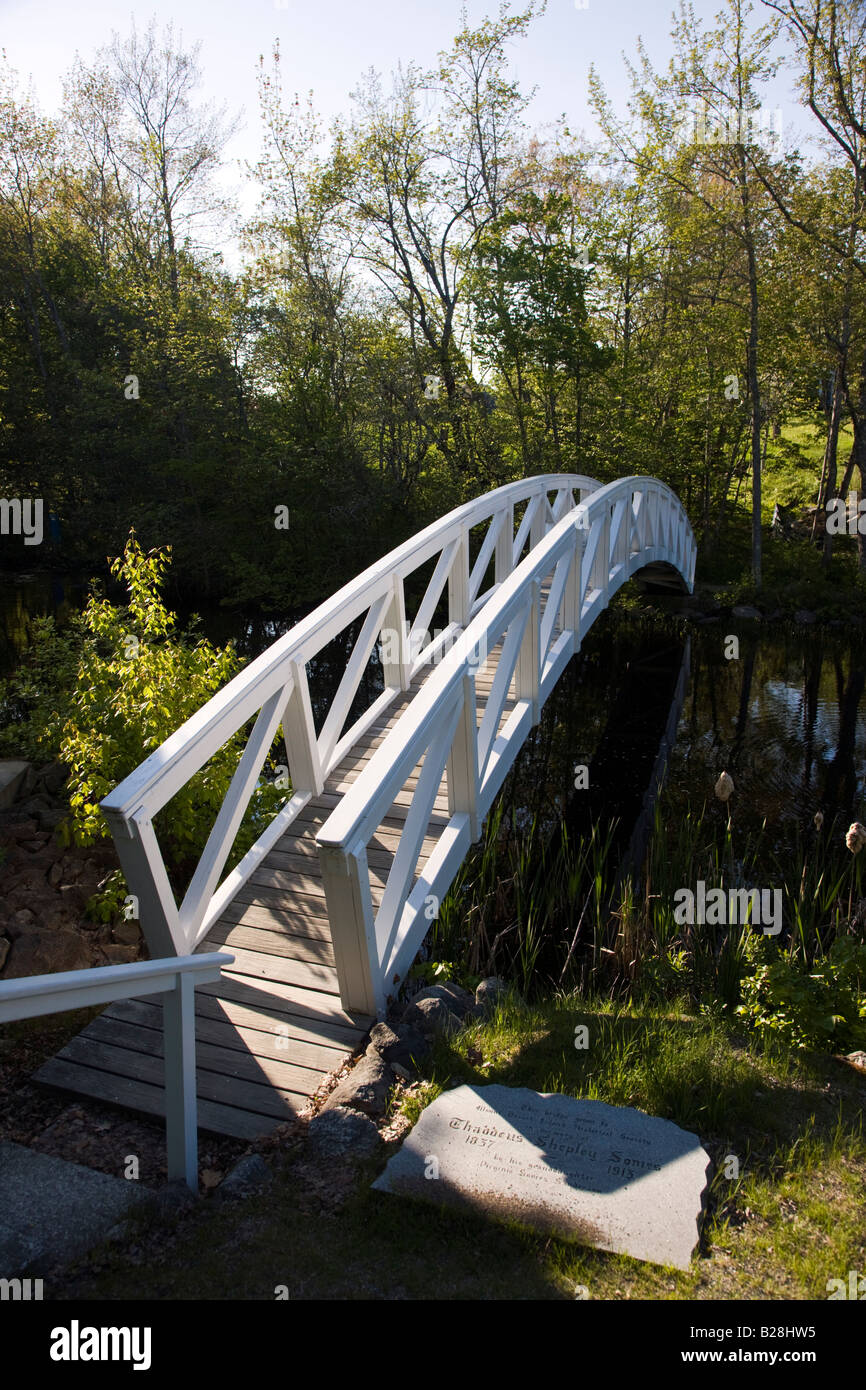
786 720
644 698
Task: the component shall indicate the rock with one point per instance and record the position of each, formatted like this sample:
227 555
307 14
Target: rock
119 955
463 999
127 933
602 1175
55 874
431 1007
249 1175
745 610
41 952
55 1210
52 777
414 1045
338 1132
381 1039
5 948
22 830
20 922
173 1199
366 1088
75 896
72 868
805 616
13 774
491 993
857 1059
37 803
401 1049
426 1015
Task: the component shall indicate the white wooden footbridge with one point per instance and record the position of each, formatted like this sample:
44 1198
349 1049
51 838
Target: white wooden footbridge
325 914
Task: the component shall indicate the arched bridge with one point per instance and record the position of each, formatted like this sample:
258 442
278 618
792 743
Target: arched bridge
327 910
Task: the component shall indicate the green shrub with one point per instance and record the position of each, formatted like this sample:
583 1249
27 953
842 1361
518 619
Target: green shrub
34 702
110 689
822 1008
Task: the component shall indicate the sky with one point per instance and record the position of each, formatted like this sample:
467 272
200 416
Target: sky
327 45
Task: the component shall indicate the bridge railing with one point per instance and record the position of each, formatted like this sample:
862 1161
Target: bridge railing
274 690
175 979
540 614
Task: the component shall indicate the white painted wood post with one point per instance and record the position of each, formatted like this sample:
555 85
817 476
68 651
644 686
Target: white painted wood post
600 578
346 879
458 582
461 774
527 673
572 599
538 527
621 543
397 673
181 1118
144 871
299 735
505 546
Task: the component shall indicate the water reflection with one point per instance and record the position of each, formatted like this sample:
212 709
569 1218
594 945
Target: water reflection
785 719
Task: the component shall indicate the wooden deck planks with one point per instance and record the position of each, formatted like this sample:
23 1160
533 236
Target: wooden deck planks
272 1027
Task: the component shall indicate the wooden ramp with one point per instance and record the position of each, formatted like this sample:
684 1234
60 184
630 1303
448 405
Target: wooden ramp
271 1029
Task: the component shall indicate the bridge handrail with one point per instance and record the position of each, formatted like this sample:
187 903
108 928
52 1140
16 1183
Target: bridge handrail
274 688
590 552
175 978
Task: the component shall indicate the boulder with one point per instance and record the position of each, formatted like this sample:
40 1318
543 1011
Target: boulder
21 921
366 1088
116 954
491 993
340 1132
22 830
249 1175
5 948
401 1049
428 1015
127 933
745 610
52 778
460 1001
38 951
173 1199
382 1039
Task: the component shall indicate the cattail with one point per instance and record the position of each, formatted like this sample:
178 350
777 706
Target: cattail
818 819
856 837
724 787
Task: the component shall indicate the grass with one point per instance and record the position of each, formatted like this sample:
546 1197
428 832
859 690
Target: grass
790 1221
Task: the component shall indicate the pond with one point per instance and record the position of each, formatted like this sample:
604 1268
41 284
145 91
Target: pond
644 700
646 697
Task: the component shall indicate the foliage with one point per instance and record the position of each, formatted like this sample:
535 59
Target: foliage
138 679
821 1008
36 699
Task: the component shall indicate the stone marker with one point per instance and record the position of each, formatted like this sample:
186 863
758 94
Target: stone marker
599 1174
